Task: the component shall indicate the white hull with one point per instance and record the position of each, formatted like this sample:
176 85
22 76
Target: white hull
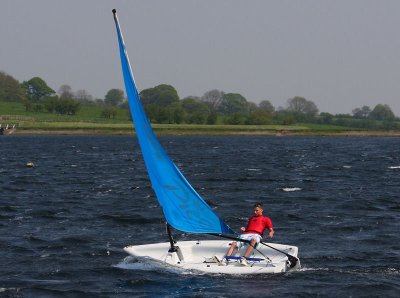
193 255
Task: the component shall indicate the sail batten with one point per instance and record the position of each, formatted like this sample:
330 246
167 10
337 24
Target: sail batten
183 207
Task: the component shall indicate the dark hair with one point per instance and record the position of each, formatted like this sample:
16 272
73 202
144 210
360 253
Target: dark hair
259 205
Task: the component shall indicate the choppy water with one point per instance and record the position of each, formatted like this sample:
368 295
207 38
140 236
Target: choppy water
63 223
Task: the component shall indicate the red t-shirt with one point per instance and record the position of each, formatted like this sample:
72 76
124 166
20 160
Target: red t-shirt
257 224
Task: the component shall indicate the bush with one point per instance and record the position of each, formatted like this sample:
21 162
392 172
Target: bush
235 119
50 103
109 112
67 106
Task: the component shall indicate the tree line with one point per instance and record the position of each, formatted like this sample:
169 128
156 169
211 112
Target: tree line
37 96
163 105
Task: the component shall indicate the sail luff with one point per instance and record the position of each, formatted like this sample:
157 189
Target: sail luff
182 206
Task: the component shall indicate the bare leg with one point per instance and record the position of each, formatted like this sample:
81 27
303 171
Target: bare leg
231 249
250 248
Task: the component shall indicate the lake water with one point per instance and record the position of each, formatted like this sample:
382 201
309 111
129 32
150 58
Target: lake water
64 222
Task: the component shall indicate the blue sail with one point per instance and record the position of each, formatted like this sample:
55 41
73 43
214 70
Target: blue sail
182 206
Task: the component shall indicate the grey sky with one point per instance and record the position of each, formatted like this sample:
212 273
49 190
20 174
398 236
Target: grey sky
340 54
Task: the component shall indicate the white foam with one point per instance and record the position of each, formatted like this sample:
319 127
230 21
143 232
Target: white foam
2 290
132 263
312 269
347 167
291 189
392 271
394 167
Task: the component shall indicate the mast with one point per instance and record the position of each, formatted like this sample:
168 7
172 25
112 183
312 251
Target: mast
172 242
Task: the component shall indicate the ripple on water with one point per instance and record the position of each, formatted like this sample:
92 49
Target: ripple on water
65 221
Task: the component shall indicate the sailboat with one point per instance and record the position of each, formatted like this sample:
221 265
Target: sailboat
186 211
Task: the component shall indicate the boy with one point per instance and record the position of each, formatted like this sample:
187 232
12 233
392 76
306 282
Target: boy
253 232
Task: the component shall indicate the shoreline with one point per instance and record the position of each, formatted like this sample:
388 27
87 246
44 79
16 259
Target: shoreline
177 132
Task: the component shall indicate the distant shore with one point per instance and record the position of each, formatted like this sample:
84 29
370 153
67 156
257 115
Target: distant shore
127 128
199 132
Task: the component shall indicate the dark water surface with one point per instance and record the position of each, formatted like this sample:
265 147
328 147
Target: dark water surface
64 222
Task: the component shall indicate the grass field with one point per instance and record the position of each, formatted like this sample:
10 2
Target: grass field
89 120
86 113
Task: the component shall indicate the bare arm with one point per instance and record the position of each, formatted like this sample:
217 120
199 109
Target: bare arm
271 233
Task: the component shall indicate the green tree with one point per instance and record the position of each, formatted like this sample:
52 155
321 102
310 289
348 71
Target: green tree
325 118
151 112
27 104
196 111
162 95
382 112
212 118
235 119
233 103
170 114
164 115
266 105
301 105
67 106
50 103
124 105
178 113
212 99
10 88
283 117
251 107
260 117
114 97
361 112
109 112
36 88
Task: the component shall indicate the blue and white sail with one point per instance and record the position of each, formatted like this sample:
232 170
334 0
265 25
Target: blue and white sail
182 206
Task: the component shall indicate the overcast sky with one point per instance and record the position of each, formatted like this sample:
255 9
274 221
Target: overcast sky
340 54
